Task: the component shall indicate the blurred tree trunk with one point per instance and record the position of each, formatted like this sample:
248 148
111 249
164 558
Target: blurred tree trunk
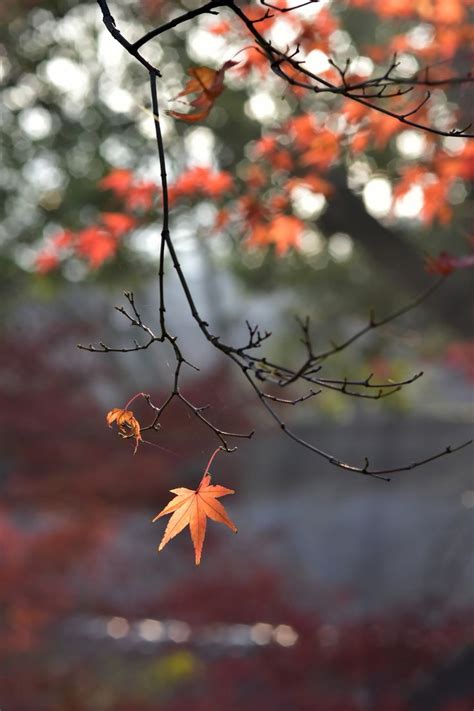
402 263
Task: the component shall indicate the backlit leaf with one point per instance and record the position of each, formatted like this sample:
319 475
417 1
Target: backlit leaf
193 508
207 84
127 424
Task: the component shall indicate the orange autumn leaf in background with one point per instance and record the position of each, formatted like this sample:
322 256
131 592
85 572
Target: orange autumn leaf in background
208 84
118 180
127 424
201 180
135 193
117 223
95 244
193 508
284 232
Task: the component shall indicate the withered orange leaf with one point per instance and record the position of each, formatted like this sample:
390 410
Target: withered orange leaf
127 424
207 84
193 508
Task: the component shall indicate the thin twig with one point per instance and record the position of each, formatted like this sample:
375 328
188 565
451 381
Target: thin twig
251 367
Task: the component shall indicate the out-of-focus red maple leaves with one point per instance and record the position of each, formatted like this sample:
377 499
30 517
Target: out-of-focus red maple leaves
95 244
201 181
445 263
257 205
135 193
99 243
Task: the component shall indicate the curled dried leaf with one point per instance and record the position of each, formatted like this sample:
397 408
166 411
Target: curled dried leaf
207 84
127 424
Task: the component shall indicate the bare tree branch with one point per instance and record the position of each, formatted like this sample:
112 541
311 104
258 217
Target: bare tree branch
260 370
278 58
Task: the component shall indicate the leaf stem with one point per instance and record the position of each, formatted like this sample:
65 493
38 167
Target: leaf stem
133 398
213 455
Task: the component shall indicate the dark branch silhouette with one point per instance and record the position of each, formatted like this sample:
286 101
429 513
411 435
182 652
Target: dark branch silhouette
259 372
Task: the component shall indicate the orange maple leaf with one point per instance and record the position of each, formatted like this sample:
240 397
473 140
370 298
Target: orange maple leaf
285 232
117 223
118 180
127 424
46 261
193 508
96 245
207 84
